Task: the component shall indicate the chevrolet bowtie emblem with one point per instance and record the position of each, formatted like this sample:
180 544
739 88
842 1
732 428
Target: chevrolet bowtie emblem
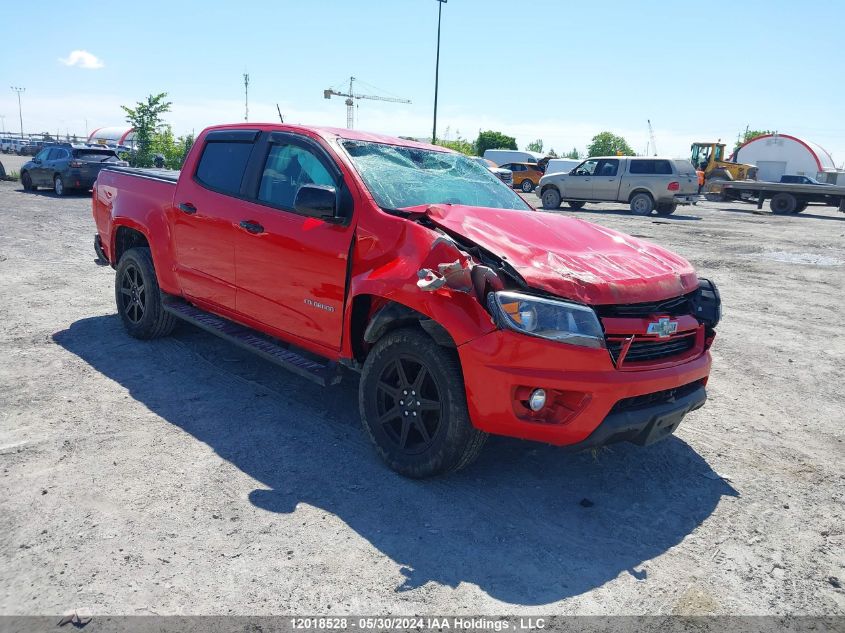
663 328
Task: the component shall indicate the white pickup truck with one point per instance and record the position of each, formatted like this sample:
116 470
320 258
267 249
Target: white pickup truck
646 183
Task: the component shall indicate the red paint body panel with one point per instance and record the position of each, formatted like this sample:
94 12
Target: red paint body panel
573 258
498 363
266 280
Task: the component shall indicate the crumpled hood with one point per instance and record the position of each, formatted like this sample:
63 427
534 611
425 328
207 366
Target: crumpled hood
572 258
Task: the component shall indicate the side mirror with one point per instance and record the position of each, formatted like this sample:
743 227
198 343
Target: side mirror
37 161
316 201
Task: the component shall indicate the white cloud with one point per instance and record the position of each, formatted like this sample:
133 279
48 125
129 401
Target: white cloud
82 59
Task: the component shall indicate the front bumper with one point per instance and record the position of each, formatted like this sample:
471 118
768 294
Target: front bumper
501 365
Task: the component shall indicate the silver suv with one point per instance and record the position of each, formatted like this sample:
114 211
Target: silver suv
646 183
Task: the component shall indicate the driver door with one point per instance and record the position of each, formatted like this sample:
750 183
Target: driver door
579 184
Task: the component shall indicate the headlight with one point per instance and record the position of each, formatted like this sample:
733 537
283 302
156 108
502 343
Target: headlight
547 318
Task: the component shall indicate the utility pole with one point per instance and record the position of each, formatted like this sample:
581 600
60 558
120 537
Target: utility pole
246 96
20 111
3 121
440 4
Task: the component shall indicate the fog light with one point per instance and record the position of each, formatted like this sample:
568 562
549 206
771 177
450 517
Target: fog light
537 400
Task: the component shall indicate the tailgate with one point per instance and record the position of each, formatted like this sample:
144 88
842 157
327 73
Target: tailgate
687 177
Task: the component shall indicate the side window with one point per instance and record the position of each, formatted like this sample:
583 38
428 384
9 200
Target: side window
642 166
288 167
222 165
587 168
607 168
42 155
662 167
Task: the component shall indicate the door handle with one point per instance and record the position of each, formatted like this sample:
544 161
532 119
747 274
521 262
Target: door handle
251 227
187 207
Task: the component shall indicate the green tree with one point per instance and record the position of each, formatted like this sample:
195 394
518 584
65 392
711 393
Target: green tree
145 117
493 140
461 145
608 144
535 146
173 149
750 134
574 154
552 153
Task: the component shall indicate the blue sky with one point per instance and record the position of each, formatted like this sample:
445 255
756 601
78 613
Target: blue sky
550 69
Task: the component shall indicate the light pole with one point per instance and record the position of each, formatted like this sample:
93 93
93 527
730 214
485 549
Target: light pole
20 112
440 4
3 121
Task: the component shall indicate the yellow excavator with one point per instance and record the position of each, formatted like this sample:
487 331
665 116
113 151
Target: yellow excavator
709 157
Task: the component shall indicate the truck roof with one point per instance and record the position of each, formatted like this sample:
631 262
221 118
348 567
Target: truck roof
329 133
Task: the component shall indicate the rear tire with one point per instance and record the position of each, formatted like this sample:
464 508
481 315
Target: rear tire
642 204
576 204
666 208
783 203
138 296
802 206
413 406
59 186
550 199
527 186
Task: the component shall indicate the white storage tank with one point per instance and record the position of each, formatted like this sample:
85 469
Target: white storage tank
779 154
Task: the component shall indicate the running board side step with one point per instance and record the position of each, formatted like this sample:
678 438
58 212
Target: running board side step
253 341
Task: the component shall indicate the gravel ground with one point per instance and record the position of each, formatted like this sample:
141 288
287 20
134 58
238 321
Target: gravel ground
184 476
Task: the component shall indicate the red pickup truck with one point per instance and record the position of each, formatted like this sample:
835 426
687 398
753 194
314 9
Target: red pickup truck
465 311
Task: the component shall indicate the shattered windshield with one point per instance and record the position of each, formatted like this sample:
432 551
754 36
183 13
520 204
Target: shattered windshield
401 177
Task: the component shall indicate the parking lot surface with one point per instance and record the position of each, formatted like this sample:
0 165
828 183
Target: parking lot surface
184 476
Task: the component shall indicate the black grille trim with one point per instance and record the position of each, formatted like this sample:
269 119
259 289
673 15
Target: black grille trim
658 397
650 349
678 306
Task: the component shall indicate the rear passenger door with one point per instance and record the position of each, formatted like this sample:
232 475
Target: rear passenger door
204 218
292 268
606 179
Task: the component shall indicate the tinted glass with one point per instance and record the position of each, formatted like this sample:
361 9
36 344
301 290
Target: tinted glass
42 155
223 164
288 167
95 155
650 167
607 168
54 154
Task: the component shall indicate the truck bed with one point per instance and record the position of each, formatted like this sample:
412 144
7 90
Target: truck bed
167 175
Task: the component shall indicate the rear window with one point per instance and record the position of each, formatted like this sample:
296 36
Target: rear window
650 167
222 165
95 155
684 167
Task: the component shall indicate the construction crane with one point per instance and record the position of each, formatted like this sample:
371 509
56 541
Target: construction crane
350 104
651 136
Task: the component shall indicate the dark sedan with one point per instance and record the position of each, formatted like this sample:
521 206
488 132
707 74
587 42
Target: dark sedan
65 167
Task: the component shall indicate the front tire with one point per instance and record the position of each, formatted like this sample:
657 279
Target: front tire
642 204
26 181
527 186
413 406
138 296
550 199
